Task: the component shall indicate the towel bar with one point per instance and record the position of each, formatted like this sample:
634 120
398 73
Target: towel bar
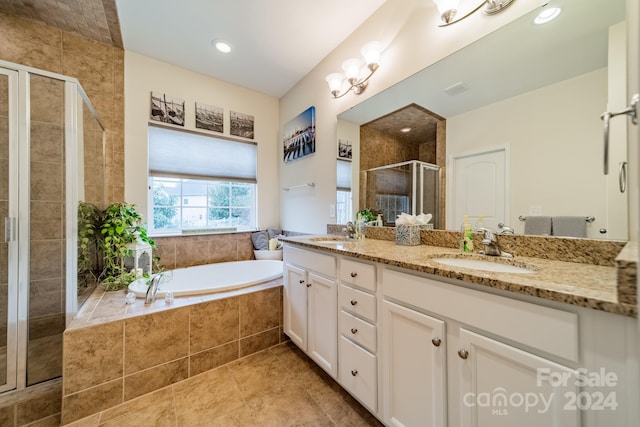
586 218
308 184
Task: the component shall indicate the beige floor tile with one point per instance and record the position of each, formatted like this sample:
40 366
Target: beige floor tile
261 373
159 414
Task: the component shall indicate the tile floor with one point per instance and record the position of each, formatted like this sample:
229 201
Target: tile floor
276 387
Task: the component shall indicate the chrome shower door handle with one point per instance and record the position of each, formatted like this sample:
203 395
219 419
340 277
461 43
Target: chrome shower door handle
632 111
9 229
622 177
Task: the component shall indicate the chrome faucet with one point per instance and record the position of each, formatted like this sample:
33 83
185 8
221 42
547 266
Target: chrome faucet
350 230
152 290
505 229
491 245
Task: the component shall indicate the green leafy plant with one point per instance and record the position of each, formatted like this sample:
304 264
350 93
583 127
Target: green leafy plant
366 214
88 223
118 224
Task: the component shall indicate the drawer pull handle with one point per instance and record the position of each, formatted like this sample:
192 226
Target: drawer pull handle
353 302
436 342
301 281
354 331
354 372
308 285
463 354
354 274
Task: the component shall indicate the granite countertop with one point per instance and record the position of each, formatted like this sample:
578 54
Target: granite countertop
582 284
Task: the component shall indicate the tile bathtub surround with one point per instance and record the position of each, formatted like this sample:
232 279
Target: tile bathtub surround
37 405
274 387
114 353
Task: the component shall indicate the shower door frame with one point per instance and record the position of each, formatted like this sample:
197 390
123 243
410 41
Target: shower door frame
19 207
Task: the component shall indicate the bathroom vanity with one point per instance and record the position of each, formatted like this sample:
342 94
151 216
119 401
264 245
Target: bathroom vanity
423 343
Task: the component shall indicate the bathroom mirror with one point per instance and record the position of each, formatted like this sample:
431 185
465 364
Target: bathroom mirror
537 92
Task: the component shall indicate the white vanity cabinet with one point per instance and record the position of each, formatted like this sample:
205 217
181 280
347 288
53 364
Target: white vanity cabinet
358 359
311 304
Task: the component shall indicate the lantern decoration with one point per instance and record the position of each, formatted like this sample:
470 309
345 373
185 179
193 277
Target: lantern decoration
139 256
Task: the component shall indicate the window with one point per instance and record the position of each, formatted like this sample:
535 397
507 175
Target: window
343 193
200 183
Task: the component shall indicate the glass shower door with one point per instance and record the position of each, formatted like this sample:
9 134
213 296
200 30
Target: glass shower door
8 245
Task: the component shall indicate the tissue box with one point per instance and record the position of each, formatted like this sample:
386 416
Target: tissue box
408 235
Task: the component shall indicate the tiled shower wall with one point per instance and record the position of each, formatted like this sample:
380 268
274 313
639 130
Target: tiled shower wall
98 67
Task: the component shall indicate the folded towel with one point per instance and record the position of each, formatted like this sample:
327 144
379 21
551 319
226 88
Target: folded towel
569 226
539 225
260 240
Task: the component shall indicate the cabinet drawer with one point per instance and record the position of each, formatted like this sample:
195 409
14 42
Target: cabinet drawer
358 302
358 274
541 328
364 333
310 260
358 373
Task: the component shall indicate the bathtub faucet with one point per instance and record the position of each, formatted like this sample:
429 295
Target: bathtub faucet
152 290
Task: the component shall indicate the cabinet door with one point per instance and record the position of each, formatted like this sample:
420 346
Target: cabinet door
505 386
323 322
413 370
295 305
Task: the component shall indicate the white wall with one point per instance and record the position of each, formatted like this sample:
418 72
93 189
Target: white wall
143 75
556 155
409 31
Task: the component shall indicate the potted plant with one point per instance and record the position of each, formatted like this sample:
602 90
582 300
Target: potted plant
118 224
88 257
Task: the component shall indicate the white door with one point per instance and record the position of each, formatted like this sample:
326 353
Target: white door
502 386
479 187
413 368
323 322
295 305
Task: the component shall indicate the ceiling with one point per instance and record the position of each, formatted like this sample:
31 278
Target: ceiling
275 42
421 122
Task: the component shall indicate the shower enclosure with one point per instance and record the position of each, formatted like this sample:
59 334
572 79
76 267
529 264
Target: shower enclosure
51 156
411 187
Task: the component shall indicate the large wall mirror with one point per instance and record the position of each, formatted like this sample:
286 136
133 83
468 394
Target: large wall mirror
533 94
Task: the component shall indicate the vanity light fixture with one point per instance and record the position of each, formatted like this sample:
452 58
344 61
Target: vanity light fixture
449 8
353 69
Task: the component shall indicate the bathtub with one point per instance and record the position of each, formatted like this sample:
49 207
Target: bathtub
212 278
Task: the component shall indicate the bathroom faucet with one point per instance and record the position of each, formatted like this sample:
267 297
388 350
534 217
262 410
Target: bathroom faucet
152 290
491 244
505 229
351 230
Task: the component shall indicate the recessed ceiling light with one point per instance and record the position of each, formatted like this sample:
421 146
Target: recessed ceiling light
222 45
405 130
547 15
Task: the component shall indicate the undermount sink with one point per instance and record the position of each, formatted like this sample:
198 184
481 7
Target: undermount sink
476 264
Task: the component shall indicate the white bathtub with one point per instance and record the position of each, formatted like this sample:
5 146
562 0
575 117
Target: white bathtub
211 278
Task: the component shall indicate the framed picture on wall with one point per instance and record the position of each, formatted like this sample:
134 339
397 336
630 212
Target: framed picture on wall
209 117
241 124
299 135
167 109
345 149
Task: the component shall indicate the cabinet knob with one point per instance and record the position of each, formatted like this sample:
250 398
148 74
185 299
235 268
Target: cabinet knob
353 302
436 342
301 281
354 372
354 330
463 354
308 285
354 274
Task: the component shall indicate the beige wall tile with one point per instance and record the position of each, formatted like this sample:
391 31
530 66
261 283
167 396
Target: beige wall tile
258 342
155 339
149 380
47 181
191 251
260 311
45 297
223 248
245 246
91 401
47 100
47 220
212 358
45 406
92 356
7 416
47 142
46 259
214 323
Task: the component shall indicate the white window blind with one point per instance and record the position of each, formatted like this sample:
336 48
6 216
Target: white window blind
184 154
343 175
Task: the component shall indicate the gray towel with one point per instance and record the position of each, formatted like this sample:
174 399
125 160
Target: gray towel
539 225
569 226
260 240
